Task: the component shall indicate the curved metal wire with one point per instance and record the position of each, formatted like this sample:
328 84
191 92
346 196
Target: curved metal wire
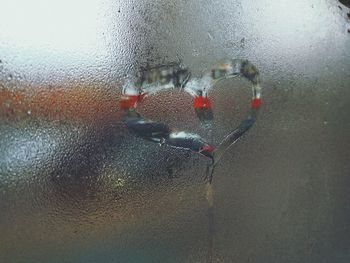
153 80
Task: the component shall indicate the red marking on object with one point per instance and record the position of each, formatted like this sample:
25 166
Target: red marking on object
256 103
201 102
208 149
130 101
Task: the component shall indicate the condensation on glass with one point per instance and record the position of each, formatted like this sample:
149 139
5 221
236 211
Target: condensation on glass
77 186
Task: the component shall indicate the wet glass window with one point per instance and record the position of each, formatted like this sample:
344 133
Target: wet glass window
174 131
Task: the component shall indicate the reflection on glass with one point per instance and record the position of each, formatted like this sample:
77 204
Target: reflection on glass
81 179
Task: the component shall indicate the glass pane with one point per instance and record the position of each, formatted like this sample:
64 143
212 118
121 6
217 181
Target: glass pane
79 184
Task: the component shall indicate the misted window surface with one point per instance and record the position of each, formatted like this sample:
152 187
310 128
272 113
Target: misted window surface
174 131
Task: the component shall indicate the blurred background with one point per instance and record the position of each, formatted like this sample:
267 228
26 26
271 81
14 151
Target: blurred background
76 186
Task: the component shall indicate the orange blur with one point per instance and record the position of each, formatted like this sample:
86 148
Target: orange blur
76 104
